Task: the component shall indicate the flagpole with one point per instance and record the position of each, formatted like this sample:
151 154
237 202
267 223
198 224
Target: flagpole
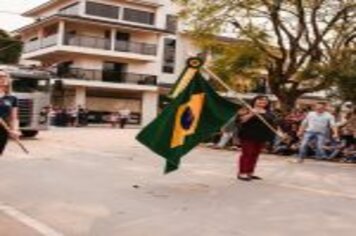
246 104
17 140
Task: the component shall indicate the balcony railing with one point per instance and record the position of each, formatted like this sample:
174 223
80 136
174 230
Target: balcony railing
87 41
41 43
103 43
93 42
140 48
107 76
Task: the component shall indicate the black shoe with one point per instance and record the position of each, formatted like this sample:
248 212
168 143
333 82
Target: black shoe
254 177
244 178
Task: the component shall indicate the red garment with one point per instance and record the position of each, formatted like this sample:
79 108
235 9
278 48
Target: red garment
251 149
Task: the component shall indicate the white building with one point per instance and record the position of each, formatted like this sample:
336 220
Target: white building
108 54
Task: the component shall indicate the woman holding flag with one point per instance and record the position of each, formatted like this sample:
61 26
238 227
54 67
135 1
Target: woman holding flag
253 135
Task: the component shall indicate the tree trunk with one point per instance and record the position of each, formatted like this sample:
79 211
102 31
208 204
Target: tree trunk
287 102
287 98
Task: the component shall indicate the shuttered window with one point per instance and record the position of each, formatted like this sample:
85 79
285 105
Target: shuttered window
102 10
138 16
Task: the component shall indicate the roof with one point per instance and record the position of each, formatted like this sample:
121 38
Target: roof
91 20
40 7
49 3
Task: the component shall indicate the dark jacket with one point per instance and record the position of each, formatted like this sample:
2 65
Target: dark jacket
254 129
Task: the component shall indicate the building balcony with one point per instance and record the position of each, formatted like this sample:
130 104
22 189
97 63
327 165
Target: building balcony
140 48
105 44
107 76
90 45
40 44
87 42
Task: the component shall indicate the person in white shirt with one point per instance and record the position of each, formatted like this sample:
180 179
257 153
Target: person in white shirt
317 125
124 117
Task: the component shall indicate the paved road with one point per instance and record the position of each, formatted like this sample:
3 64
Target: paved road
100 182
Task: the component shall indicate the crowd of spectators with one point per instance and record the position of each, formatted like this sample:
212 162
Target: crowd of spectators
337 142
79 117
69 117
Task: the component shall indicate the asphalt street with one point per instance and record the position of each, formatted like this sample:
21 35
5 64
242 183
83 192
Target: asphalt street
101 182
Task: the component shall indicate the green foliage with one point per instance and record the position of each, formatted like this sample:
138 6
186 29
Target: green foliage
10 49
296 42
238 60
345 81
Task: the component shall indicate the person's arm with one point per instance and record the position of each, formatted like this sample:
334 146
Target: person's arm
334 127
245 114
303 126
14 120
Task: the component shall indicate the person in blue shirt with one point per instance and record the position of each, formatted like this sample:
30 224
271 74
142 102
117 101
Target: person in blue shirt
8 112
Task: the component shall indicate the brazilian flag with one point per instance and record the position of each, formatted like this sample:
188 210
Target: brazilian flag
195 113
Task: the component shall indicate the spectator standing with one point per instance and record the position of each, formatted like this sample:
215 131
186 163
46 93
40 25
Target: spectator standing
349 124
316 125
124 117
114 119
82 116
52 115
227 132
61 118
72 116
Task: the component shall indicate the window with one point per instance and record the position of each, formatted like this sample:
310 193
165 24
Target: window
30 85
114 72
169 56
171 23
102 10
138 16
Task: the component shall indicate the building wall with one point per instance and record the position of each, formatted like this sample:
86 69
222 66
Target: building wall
96 63
185 49
112 104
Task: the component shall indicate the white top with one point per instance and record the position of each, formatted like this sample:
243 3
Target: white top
125 113
319 122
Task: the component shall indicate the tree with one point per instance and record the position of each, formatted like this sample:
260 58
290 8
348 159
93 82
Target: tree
237 63
10 48
345 81
299 41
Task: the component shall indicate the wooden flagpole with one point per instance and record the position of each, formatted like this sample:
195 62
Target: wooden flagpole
17 140
246 104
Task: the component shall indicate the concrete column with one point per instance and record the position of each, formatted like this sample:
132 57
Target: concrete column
61 32
121 13
80 96
161 16
82 5
113 39
40 36
149 107
40 33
